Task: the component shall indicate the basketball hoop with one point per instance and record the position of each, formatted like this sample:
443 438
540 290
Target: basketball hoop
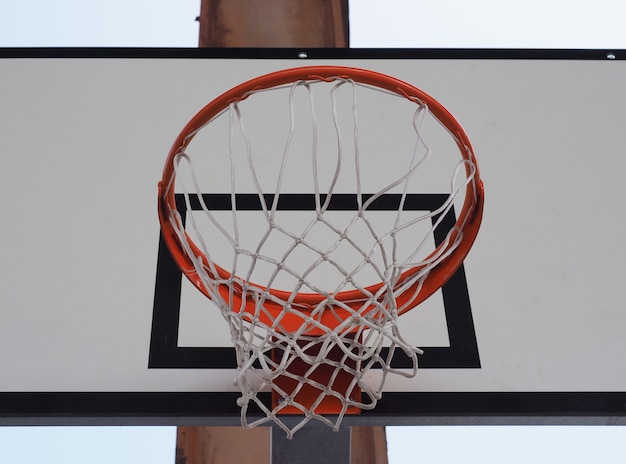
310 339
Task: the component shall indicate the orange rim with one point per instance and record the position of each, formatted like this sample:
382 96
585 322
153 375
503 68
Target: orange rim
468 221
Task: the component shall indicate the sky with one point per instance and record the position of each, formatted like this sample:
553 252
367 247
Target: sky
392 23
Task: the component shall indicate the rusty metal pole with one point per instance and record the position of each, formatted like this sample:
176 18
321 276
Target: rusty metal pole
233 445
222 445
270 24
274 23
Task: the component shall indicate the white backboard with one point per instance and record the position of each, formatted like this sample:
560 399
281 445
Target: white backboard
98 322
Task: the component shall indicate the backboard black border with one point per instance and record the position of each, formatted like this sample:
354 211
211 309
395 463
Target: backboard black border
429 408
220 409
315 53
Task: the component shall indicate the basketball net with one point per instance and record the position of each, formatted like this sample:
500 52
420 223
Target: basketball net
312 294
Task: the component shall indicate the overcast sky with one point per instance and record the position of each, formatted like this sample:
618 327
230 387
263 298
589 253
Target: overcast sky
392 23
374 23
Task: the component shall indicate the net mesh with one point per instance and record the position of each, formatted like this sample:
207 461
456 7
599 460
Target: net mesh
324 342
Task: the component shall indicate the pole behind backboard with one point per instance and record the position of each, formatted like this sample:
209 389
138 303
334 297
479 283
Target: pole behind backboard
280 24
274 24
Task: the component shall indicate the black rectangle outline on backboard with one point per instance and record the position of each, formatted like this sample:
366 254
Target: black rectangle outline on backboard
165 353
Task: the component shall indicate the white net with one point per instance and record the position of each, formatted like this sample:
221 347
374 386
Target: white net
312 284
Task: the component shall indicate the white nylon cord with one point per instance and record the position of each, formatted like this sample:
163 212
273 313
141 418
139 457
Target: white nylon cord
371 327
